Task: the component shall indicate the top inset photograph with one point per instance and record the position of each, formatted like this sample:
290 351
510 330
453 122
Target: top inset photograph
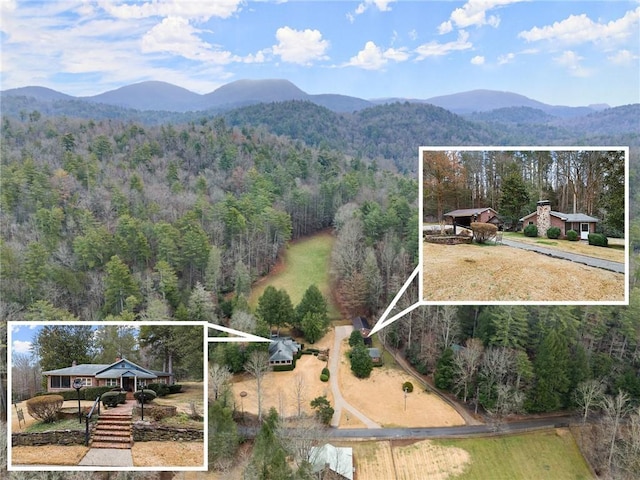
534 225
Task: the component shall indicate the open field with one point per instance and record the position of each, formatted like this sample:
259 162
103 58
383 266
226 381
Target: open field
545 454
502 273
304 263
614 253
424 409
49 455
549 454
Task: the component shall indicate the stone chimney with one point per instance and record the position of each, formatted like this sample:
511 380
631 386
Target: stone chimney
74 364
118 358
543 217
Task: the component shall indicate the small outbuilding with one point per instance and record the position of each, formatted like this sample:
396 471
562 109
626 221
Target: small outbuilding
465 217
334 461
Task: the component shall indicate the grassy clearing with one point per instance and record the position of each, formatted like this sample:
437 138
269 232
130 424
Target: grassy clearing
305 263
67 424
547 454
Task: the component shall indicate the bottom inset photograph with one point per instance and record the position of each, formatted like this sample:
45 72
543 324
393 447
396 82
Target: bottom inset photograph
107 396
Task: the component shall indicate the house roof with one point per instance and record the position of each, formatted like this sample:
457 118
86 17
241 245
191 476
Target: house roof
360 323
339 459
117 369
283 348
567 217
468 212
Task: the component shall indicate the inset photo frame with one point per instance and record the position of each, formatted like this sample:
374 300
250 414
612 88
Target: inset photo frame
526 225
107 396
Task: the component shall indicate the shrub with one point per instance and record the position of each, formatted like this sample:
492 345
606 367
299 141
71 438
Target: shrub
572 235
147 395
113 399
324 378
91 393
407 387
160 389
483 231
45 408
530 231
598 239
324 410
175 388
553 233
355 338
325 371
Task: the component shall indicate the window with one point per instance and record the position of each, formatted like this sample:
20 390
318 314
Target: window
58 381
111 382
86 381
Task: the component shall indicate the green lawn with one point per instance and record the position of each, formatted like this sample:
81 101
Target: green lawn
549 454
306 262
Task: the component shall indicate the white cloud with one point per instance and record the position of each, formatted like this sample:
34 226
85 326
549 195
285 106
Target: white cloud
381 5
300 46
445 27
474 13
413 34
577 29
435 49
571 61
477 60
623 58
508 58
372 57
20 346
176 36
195 10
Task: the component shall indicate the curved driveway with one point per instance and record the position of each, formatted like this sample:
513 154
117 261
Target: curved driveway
342 332
583 259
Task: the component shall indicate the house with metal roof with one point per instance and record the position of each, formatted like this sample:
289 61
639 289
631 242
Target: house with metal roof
337 460
122 373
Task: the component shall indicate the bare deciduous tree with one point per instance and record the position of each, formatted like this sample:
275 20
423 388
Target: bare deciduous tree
299 392
588 394
219 376
258 365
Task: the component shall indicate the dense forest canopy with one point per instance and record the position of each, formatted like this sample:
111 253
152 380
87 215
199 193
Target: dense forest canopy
590 181
115 220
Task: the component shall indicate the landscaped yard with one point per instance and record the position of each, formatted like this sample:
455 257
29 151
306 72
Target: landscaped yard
278 387
424 409
502 273
615 252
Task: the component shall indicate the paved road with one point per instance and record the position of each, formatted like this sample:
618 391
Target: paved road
440 432
342 332
583 259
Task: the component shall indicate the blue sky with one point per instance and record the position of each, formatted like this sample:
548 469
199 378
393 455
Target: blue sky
558 52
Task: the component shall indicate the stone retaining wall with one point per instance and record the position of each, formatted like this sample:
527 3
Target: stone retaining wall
54 437
146 432
448 239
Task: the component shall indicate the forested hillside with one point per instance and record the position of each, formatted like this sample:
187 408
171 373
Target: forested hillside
110 219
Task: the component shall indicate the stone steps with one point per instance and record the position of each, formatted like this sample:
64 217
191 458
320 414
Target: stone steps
113 431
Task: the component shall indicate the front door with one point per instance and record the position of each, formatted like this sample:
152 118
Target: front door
584 231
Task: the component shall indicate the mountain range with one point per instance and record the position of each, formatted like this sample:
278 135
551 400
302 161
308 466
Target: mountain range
162 96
